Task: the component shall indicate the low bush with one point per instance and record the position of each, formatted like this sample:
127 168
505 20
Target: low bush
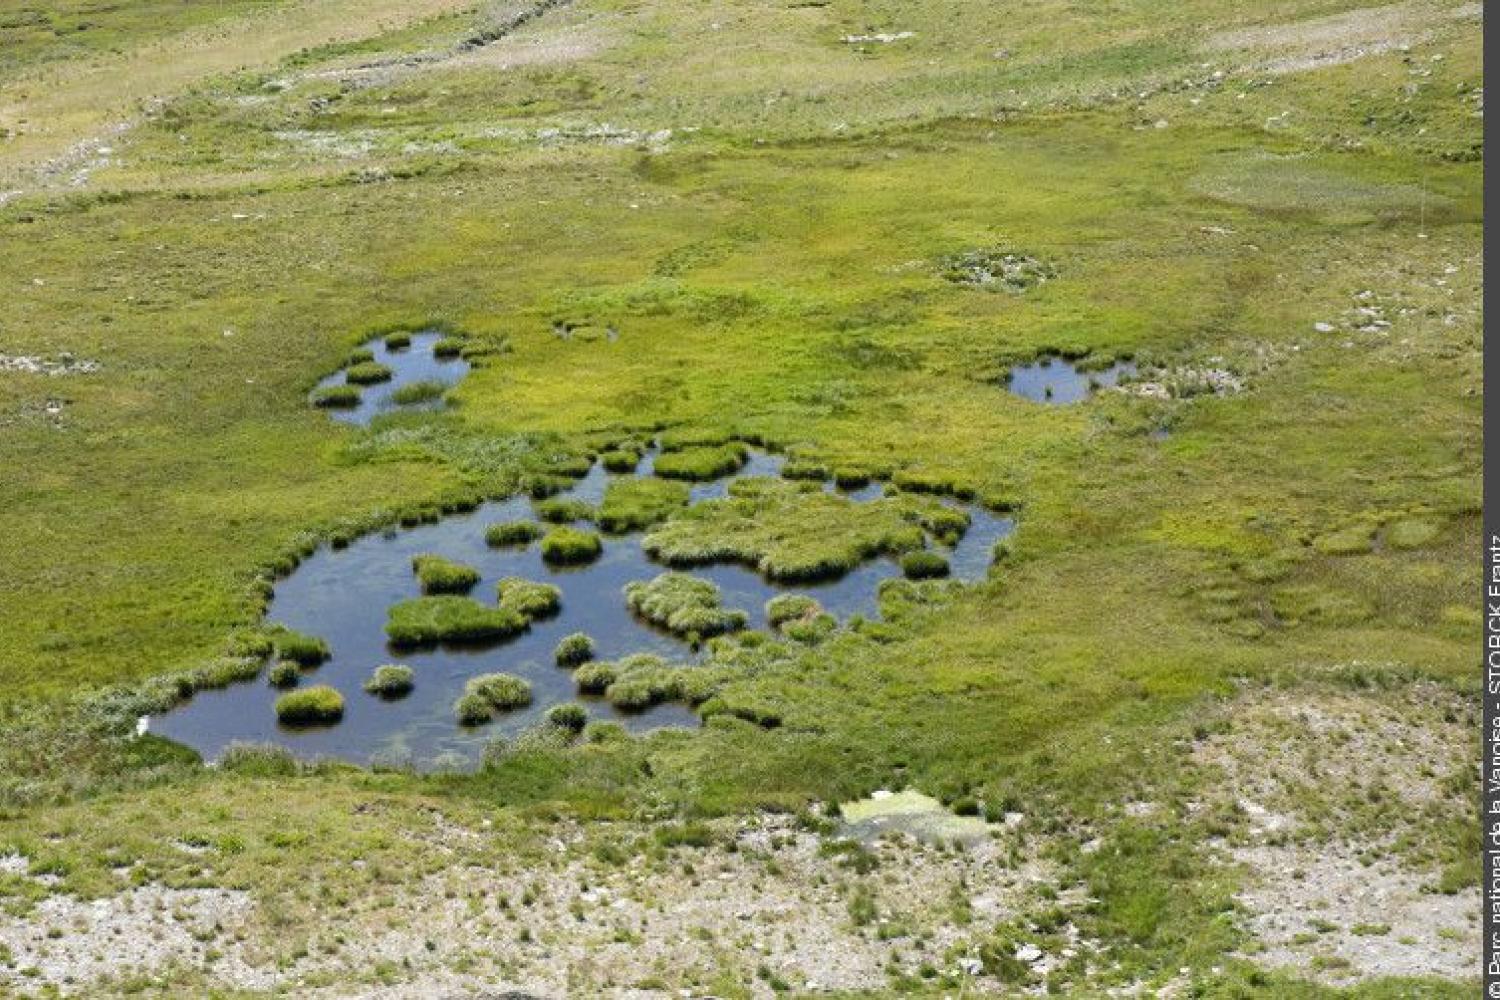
448 347
258 760
319 703
570 547
789 607
572 717
307 650
702 464
336 397
529 599
512 533
620 461
595 678
391 681
923 565
425 621
439 575
284 674
502 691
424 391
560 510
683 604
397 341
367 373
634 503
574 649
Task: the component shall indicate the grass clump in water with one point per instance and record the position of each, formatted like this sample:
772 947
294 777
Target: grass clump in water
302 649
924 565
684 605
944 523
336 397
397 341
639 502
367 373
785 608
308 706
529 599
573 650
596 677
512 533
804 470
851 479
448 347
439 575
391 681
703 463
620 460
426 621
560 510
570 547
284 674
359 356
424 391
643 680
497 692
571 716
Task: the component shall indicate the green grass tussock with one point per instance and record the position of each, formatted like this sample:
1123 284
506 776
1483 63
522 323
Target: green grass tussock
570 547
391 680
336 397
308 706
367 373
785 608
489 694
684 605
562 510
595 677
448 347
529 599
306 650
413 393
573 650
284 674
439 575
924 565
638 502
509 533
702 464
570 716
398 341
426 621
620 460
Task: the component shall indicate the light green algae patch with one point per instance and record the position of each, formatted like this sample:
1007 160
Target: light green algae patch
909 812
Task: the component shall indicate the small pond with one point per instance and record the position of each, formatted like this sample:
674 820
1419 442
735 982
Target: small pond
342 595
1057 380
411 365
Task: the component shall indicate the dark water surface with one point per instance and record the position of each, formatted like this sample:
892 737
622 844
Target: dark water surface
342 595
408 365
1058 381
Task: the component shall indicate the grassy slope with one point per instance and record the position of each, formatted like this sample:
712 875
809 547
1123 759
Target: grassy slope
777 265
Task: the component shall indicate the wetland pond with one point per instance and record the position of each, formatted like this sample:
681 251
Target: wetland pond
1058 381
342 596
418 369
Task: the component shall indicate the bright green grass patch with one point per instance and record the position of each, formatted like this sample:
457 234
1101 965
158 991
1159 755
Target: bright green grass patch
683 604
367 373
360 356
784 608
1412 532
850 479
1351 541
448 347
637 502
529 599
488 694
563 510
570 547
307 650
702 463
573 650
440 575
570 716
620 460
424 391
391 680
284 674
644 680
512 533
319 703
397 341
788 535
804 469
924 565
595 677
336 397
425 621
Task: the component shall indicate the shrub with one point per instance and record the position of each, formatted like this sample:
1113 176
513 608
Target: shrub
391 681
426 621
595 678
336 397
473 710
789 607
307 650
701 464
633 503
528 598
443 576
620 460
851 479
569 547
319 703
501 691
512 533
448 347
571 717
258 760
424 391
284 674
559 510
923 565
573 650
682 604
367 373
397 341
